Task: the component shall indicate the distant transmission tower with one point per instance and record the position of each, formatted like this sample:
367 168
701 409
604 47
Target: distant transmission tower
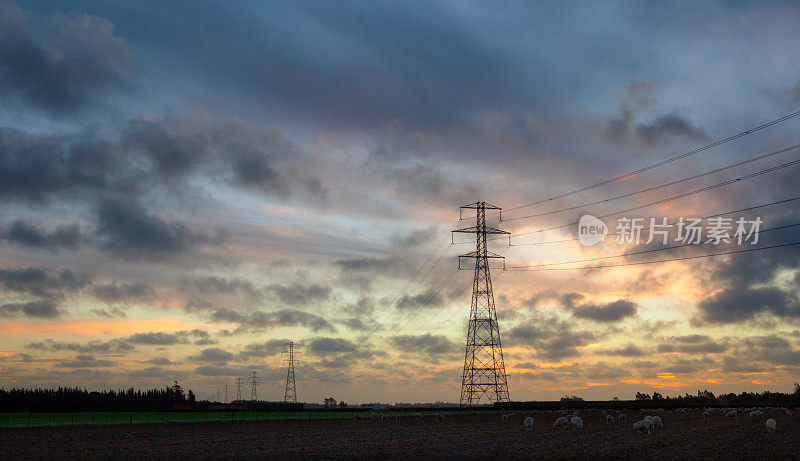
239 385
290 395
484 370
226 394
254 382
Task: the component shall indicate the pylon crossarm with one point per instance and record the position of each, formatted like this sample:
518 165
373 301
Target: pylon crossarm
476 229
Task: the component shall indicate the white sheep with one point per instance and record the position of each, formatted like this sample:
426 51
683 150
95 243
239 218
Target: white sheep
622 417
731 414
417 415
756 413
643 425
528 423
577 422
506 416
788 412
648 418
657 422
560 422
771 425
609 419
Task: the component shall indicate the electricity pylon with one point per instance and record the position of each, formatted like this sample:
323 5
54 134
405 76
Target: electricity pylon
239 385
484 370
290 395
254 381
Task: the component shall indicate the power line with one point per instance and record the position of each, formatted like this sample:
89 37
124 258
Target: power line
650 189
414 284
661 163
389 332
652 250
415 344
704 217
748 250
675 197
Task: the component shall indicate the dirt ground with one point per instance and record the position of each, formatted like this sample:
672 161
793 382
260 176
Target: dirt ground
684 436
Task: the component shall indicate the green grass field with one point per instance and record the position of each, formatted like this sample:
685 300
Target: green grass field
14 420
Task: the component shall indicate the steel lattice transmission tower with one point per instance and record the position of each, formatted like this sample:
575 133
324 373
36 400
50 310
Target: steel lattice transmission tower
254 381
239 385
290 395
484 370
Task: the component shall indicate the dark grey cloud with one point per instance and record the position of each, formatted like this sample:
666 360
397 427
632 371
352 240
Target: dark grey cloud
123 344
110 313
128 229
91 347
40 282
298 294
167 339
259 320
124 292
742 303
166 374
265 349
667 127
32 309
609 312
425 185
426 344
324 346
62 63
427 299
693 344
689 366
212 285
212 355
87 361
638 99
159 361
213 370
631 350
25 234
415 237
551 337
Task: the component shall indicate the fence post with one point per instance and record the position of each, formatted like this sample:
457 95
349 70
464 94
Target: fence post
130 421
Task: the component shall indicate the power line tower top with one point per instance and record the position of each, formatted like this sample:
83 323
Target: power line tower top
484 369
254 381
290 395
239 385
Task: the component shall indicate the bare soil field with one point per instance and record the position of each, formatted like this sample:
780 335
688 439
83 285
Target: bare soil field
684 436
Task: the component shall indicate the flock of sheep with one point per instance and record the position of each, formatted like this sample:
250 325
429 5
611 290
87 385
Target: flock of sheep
611 417
651 422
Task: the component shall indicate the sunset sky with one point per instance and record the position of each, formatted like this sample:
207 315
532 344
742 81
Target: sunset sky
186 186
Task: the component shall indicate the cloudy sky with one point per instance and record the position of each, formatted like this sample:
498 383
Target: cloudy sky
186 187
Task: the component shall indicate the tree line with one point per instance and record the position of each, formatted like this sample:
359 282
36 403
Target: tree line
76 399
707 398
